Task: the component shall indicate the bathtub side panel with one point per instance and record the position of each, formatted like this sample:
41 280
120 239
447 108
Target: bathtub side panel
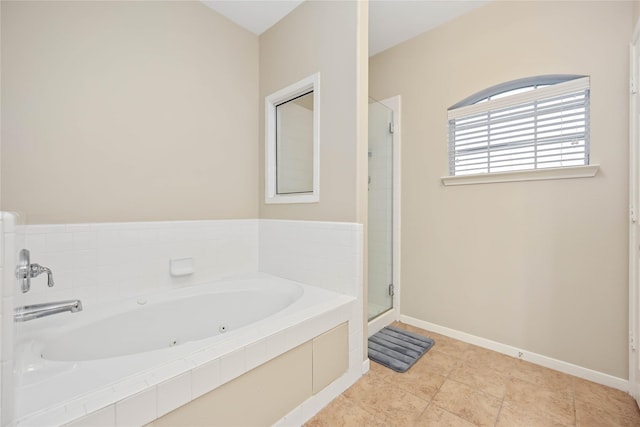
330 356
259 397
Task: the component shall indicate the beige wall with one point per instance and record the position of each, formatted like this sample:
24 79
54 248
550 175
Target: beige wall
127 111
329 37
538 265
319 36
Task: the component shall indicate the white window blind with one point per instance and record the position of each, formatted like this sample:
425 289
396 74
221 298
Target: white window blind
542 128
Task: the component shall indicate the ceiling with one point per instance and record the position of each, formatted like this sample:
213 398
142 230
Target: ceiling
390 21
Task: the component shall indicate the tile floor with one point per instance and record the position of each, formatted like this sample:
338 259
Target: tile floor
459 384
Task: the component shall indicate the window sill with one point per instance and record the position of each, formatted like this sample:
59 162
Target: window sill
528 175
292 198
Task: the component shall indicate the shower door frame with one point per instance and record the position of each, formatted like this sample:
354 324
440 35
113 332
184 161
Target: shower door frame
393 314
634 222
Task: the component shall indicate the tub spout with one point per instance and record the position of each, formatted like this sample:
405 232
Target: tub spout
35 311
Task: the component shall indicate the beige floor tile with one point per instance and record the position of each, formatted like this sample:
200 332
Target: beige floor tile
386 401
589 415
542 377
418 381
379 370
467 403
481 377
609 400
453 348
437 362
438 417
479 356
344 412
514 414
557 404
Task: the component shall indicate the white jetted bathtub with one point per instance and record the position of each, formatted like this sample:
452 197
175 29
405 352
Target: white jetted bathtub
73 363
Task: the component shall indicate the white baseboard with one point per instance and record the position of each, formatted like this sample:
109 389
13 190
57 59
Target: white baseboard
538 359
366 365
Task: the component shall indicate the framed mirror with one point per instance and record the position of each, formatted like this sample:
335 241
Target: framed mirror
292 143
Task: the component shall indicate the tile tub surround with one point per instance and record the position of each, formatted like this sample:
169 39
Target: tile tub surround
99 263
105 262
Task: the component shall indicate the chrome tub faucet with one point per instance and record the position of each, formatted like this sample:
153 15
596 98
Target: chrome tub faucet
25 271
36 311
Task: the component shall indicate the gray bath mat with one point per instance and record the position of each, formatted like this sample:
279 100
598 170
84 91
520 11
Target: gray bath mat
397 349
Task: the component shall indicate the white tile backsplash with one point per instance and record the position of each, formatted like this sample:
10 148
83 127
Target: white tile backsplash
116 260
323 254
59 242
9 288
9 221
12 237
1 245
8 328
85 240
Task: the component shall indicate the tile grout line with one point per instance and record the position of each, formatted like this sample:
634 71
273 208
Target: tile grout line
446 377
499 412
430 402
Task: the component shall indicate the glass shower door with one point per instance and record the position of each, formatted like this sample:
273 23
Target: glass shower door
380 224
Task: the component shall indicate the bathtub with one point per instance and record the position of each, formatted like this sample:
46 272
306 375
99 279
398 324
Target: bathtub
70 365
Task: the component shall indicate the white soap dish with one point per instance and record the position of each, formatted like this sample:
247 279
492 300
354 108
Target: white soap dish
181 266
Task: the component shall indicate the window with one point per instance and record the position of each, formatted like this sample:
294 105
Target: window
534 123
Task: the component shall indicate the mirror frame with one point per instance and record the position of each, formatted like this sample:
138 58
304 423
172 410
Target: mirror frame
311 83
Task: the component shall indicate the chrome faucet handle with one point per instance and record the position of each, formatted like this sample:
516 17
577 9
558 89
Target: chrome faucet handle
23 271
37 269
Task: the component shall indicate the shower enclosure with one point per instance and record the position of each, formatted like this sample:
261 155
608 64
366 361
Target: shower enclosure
380 224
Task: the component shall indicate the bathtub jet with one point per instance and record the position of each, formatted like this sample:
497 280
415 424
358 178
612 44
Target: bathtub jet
35 311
